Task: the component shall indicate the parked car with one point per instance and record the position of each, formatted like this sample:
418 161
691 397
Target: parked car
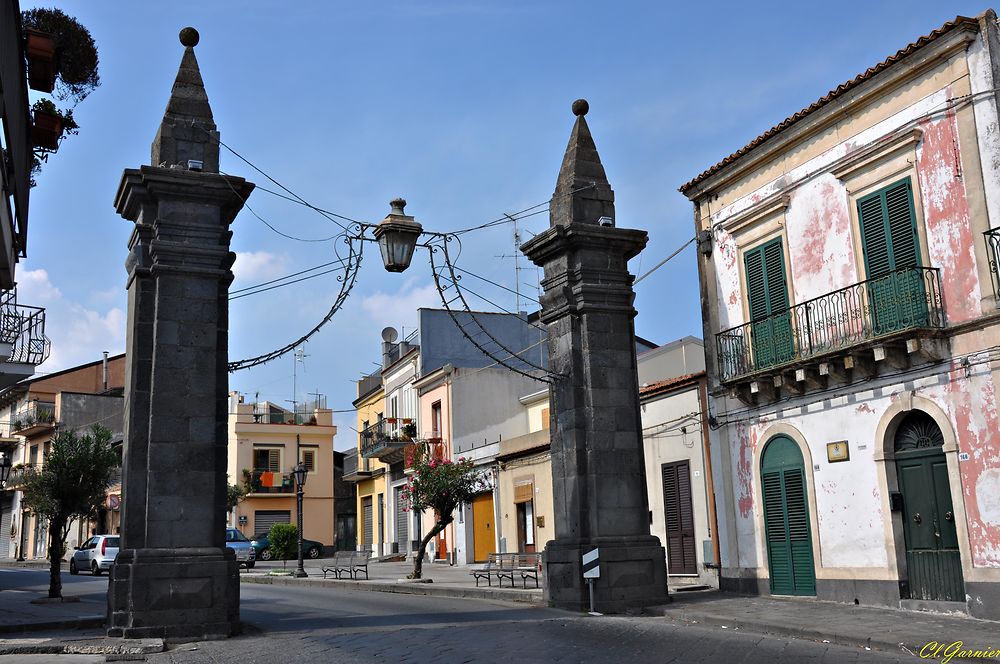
310 548
238 542
96 554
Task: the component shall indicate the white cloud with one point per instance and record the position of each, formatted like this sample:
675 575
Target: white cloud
78 334
399 309
255 266
35 288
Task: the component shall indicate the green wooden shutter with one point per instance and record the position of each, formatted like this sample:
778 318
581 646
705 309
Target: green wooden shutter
786 519
897 298
767 294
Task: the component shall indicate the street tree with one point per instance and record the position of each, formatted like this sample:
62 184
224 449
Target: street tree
71 484
234 494
440 485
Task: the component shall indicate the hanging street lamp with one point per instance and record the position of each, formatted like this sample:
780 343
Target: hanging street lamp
6 461
397 237
300 472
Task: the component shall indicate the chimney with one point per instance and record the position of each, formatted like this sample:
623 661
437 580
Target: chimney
105 366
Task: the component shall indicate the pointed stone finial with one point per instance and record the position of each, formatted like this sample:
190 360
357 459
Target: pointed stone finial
583 194
188 132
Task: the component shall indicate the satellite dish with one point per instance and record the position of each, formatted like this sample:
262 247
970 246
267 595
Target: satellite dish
389 335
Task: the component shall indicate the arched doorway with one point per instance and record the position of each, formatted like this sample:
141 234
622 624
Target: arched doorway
786 519
933 561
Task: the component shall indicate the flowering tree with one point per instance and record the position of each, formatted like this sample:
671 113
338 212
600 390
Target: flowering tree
440 485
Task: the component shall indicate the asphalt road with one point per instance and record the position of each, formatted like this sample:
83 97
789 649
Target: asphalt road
302 625
333 625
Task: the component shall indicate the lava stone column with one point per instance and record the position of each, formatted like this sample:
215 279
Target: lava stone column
598 474
174 578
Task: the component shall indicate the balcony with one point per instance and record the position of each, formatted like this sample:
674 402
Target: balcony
36 417
891 321
23 344
358 468
386 439
264 482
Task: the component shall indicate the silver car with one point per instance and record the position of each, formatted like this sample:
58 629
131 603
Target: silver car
96 554
239 543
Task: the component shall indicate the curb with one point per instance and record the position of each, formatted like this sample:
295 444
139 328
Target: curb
81 622
878 641
110 647
534 599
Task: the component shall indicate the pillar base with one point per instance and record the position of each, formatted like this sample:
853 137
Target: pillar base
174 594
633 574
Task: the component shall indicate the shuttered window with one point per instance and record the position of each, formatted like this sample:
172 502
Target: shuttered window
401 522
786 519
267 459
767 300
890 242
679 517
309 459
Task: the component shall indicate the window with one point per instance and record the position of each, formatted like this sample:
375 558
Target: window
267 459
545 418
895 283
767 300
308 458
436 419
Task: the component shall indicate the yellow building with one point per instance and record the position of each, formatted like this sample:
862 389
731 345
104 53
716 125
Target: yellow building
370 474
265 444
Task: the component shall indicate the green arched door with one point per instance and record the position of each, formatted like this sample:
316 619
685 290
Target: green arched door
786 519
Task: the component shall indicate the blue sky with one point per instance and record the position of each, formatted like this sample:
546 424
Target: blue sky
463 108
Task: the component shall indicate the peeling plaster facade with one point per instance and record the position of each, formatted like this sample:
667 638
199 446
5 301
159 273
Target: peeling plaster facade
931 116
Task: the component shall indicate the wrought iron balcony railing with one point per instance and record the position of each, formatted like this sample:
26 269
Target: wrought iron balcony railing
385 437
993 251
905 299
23 328
264 481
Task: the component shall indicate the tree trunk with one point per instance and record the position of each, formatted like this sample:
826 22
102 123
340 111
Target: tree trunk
418 562
57 537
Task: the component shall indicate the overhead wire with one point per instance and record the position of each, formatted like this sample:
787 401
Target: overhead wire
287 276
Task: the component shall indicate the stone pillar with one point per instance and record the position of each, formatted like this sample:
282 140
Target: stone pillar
174 577
598 475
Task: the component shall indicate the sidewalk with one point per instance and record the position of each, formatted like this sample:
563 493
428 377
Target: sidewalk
844 624
444 580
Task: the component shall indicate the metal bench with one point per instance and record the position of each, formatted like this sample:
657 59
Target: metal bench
359 563
340 562
492 566
528 565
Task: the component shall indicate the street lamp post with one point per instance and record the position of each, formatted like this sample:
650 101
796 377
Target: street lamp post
300 473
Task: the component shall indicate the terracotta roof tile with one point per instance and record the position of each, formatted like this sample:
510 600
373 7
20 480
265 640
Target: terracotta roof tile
655 388
960 21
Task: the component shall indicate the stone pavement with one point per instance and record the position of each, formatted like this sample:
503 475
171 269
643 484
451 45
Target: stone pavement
445 581
831 622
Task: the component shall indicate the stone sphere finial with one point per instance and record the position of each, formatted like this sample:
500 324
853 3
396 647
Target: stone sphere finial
189 36
580 107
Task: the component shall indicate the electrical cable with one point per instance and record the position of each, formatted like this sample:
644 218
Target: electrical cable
287 276
664 261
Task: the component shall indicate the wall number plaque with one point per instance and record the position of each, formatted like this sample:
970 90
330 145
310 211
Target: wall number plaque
837 451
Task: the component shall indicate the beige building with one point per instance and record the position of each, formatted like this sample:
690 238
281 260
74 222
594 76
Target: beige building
369 473
848 268
265 444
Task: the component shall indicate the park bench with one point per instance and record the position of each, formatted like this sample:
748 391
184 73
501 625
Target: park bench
494 565
348 562
340 562
527 564
359 563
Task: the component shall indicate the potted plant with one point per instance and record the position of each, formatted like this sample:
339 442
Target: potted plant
50 124
409 431
75 54
40 49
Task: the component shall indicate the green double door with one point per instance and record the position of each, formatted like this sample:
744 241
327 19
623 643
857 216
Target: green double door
786 519
897 295
933 560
